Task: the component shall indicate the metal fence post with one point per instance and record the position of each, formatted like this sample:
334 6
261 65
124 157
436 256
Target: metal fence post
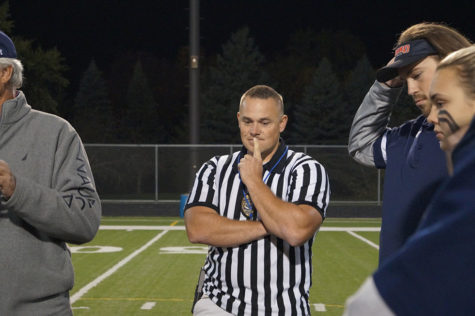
156 172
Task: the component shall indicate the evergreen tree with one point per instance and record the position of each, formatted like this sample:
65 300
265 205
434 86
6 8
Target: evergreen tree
319 116
357 85
141 113
6 24
44 82
360 81
342 49
93 117
238 68
173 118
293 68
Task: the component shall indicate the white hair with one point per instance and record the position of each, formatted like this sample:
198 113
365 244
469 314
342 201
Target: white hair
16 81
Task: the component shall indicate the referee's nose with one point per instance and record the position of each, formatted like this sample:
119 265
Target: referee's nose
255 129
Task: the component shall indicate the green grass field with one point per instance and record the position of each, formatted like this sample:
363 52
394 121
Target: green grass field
146 266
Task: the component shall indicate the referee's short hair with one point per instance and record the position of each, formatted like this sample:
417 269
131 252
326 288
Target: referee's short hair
263 92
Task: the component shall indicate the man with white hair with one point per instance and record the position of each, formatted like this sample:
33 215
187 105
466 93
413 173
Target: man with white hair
48 198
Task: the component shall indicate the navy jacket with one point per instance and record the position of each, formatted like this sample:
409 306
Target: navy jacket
414 168
434 273
411 156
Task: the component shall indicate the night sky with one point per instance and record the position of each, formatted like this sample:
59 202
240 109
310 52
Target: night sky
86 29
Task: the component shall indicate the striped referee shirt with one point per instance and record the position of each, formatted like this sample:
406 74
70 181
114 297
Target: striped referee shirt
266 276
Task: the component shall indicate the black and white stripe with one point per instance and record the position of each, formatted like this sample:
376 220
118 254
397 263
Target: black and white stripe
266 276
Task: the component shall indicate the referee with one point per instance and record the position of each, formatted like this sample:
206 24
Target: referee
259 210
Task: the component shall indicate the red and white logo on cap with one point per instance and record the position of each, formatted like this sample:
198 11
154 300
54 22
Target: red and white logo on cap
404 49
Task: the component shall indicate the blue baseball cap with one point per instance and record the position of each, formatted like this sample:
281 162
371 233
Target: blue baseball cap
7 48
405 54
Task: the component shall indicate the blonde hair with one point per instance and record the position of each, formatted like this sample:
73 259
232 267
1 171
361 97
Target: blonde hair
463 61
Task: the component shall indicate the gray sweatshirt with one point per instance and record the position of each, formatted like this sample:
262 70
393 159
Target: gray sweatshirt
371 121
54 202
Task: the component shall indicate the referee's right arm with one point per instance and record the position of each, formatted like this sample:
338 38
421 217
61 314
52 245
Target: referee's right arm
205 226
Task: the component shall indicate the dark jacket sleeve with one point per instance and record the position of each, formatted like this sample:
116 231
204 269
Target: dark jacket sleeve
435 267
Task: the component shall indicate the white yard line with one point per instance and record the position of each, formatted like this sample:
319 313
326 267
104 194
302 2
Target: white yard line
350 229
369 242
116 267
143 227
140 227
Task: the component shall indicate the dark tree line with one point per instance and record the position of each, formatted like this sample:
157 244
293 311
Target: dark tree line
141 98
44 80
319 99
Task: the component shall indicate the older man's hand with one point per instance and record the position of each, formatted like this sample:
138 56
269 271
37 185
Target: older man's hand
7 180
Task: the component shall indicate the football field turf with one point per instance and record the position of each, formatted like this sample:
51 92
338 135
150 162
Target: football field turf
146 266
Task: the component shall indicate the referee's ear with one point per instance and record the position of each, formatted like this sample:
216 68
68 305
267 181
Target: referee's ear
283 122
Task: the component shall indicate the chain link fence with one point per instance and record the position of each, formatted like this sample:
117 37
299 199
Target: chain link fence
162 173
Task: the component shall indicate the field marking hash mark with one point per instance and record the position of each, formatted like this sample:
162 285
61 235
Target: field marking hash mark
148 305
319 307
